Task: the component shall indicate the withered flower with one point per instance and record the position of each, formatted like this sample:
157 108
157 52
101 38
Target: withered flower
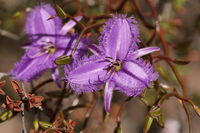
12 104
35 101
17 88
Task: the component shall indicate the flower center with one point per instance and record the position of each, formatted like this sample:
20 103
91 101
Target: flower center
115 65
50 48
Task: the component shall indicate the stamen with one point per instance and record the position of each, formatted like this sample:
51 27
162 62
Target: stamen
50 48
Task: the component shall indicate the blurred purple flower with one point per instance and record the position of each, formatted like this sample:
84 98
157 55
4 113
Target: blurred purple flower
49 40
116 62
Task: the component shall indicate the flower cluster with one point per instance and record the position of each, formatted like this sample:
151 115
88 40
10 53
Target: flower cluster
116 61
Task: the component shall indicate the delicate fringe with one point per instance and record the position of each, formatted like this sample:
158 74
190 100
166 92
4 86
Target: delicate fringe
152 76
79 88
31 17
27 77
107 28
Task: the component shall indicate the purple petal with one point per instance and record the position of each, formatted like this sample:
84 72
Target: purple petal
37 25
119 34
94 49
55 76
108 92
67 43
144 51
134 77
28 69
86 74
69 25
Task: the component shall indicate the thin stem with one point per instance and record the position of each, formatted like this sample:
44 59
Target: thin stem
178 77
9 35
141 16
163 42
59 102
23 109
120 6
118 118
183 100
90 110
188 117
152 8
151 39
23 119
41 85
183 62
159 32
81 35
75 107
77 22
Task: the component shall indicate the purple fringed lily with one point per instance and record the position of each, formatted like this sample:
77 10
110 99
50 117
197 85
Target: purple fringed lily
49 40
116 62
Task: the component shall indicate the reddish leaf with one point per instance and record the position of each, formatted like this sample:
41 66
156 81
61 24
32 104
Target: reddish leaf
17 88
2 92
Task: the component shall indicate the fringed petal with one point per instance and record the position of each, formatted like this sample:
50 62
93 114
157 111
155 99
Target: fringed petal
96 50
134 77
38 27
118 35
28 69
85 75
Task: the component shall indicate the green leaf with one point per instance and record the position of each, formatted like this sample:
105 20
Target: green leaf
118 129
106 116
63 60
36 125
60 12
6 115
163 72
160 120
17 14
149 96
45 125
148 123
156 113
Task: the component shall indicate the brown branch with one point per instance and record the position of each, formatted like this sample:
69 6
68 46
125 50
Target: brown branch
90 110
141 16
85 30
59 102
183 100
75 107
152 8
41 84
118 118
188 117
176 73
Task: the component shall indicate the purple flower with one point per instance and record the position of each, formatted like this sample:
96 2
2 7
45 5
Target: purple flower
116 62
49 40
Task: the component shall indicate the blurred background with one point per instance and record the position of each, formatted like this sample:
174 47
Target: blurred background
180 20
